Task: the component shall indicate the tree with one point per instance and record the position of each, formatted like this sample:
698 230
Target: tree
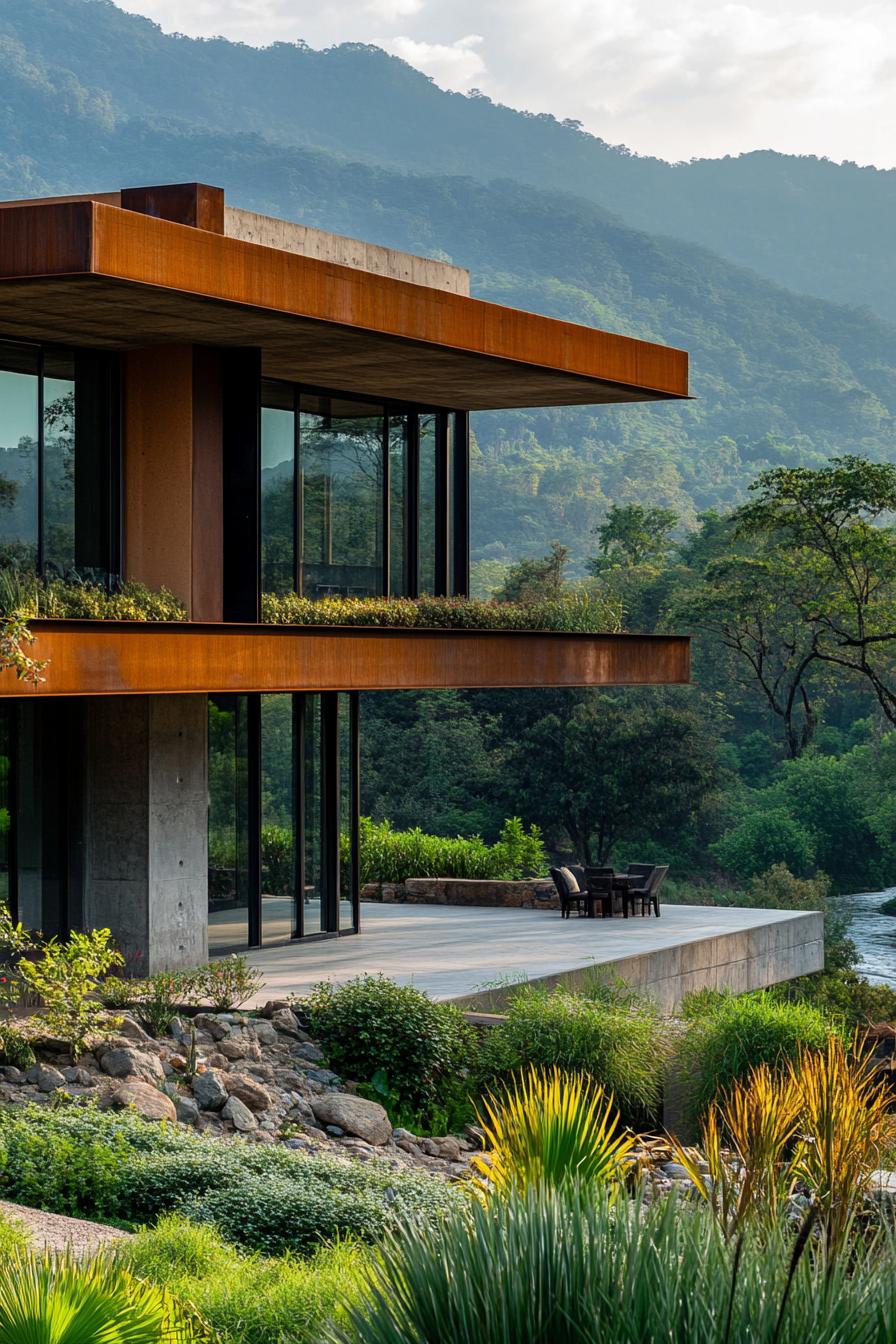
835 560
634 534
604 768
744 599
531 580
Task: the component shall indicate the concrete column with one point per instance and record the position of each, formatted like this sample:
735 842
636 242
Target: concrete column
146 826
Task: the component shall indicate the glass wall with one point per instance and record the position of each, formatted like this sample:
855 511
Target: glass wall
58 461
7 805
282 818
228 822
351 496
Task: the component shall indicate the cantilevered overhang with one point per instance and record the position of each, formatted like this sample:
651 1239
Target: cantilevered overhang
137 658
94 274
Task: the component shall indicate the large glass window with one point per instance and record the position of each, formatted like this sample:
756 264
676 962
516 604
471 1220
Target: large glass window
282 817
355 496
341 493
228 822
7 805
58 461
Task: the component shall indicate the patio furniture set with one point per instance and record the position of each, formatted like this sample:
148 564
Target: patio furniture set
583 888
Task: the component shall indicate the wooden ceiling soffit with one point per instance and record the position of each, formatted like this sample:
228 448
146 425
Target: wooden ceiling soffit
93 273
134 658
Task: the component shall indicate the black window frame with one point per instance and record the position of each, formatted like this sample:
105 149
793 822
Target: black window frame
452 574
105 451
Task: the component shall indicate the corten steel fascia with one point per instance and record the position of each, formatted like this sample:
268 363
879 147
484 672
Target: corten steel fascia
89 238
143 658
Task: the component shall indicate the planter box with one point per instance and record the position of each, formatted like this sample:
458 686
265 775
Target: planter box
529 894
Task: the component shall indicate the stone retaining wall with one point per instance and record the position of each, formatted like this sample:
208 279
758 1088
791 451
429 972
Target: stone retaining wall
530 894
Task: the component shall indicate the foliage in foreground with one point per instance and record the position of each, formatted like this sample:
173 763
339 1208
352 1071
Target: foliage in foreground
823 1121
411 1048
245 1298
548 1128
118 1167
563 1267
583 611
618 1044
57 1300
728 1035
394 856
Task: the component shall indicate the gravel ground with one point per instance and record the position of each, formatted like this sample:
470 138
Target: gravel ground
53 1232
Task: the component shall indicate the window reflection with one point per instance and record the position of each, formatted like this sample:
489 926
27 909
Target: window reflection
341 491
59 465
19 402
426 544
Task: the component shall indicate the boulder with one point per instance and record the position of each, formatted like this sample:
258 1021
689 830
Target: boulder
274 1006
365 1119
48 1078
265 1033
187 1110
233 1049
284 1020
10 1074
211 1023
81 1077
239 1115
209 1090
309 1051
143 1098
249 1092
130 1028
122 1062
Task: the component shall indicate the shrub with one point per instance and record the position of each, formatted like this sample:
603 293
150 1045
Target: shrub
585 611
570 1266
56 1300
394 856
247 1299
619 1047
92 1163
549 1128
844 995
15 1046
157 999
374 1030
66 976
14 1238
737 1032
29 597
761 839
228 982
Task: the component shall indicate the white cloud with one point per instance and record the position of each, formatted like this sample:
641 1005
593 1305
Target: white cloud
455 65
695 78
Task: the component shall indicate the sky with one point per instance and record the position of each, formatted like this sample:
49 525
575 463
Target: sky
681 80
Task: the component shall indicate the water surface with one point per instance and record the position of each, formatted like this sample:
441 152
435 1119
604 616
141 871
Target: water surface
874 934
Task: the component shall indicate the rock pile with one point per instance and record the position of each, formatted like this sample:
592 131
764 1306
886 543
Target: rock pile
259 1077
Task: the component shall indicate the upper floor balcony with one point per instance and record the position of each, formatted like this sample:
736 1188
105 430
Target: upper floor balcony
233 409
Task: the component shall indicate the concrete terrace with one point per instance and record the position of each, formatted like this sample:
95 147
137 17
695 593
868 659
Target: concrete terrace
474 955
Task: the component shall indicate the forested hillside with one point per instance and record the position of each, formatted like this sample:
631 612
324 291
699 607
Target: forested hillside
777 377
814 226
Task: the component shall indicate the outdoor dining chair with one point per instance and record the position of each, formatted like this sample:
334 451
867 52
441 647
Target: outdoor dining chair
649 893
571 892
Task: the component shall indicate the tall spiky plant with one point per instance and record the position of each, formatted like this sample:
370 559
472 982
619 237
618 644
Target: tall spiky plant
550 1127
757 1121
47 1300
846 1123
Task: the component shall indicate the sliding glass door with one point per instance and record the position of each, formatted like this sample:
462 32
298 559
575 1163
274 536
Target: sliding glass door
283 827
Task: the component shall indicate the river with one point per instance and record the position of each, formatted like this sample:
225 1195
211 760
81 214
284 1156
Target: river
873 934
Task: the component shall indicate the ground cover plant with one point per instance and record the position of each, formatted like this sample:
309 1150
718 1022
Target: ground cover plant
246 1298
117 1167
619 1042
415 1053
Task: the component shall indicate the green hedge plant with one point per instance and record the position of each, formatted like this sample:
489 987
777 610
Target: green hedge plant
413 1050
619 1045
728 1035
576 612
394 856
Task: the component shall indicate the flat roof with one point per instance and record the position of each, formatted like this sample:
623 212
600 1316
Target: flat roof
89 272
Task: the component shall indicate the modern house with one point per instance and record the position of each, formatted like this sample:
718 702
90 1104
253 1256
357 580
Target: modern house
226 406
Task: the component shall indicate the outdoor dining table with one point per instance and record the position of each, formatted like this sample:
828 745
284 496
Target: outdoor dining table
621 884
